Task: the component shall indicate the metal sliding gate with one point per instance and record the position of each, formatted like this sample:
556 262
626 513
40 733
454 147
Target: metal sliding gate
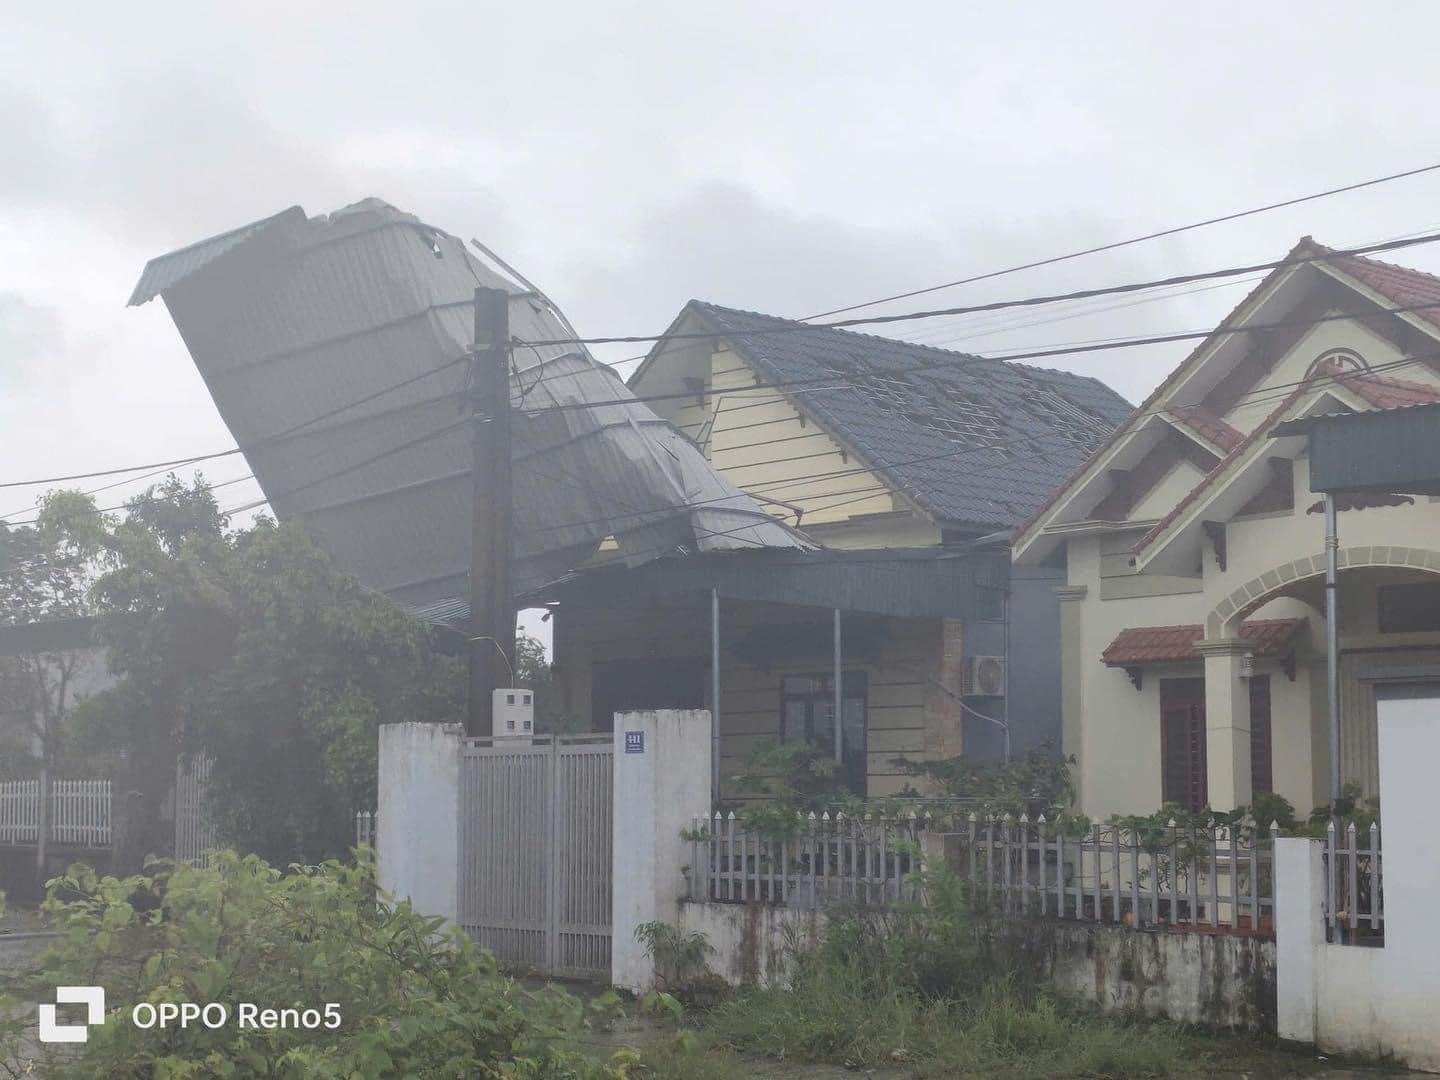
535 850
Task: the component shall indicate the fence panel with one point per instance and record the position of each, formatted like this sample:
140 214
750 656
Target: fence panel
80 812
1221 878
19 811
195 834
1354 890
822 860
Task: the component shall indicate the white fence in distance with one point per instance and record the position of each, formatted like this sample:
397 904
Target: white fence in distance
80 812
367 827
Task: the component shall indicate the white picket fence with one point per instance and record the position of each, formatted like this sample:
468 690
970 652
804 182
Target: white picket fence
80 812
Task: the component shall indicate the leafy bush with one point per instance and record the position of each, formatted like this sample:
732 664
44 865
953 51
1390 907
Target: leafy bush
413 1001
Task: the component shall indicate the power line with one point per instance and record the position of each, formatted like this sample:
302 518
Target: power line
1001 305
851 381
1236 216
1034 354
788 328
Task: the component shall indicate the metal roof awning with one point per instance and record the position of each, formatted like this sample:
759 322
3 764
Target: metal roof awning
916 582
1388 450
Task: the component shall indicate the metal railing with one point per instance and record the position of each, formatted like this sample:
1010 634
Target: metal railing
1193 879
1354 889
80 812
820 861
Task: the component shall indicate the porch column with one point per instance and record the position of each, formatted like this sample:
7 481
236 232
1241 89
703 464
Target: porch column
1072 692
1227 723
943 721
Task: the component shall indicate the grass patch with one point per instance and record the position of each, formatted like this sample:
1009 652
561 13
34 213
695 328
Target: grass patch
995 1035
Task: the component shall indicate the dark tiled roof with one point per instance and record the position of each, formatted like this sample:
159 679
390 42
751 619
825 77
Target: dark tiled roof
1166 644
971 440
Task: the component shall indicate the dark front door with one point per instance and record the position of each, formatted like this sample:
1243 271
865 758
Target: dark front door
1182 742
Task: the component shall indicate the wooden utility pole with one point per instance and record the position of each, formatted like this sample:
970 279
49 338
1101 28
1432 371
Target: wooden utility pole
492 604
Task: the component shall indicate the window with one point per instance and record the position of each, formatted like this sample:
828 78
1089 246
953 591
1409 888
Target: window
807 710
1261 773
1409 609
1183 777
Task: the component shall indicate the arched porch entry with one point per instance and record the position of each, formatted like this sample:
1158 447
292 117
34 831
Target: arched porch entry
1371 577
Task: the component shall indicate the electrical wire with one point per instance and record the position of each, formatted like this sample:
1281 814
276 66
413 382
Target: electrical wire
1115 245
1002 305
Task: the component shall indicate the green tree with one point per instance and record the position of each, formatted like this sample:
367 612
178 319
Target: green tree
44 575
532 671
247 645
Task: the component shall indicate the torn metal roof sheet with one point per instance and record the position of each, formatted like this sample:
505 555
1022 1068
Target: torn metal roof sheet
335 349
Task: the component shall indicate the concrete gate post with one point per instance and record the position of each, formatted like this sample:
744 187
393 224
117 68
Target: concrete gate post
662 782
1299 934
418 834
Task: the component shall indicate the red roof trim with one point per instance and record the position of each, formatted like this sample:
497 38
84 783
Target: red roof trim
1138 645
1207 425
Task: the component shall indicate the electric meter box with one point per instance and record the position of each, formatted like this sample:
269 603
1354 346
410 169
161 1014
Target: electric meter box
513 709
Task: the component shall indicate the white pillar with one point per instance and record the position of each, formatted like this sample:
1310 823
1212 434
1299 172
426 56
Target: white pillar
1227 723
1299 934
418 836
662 783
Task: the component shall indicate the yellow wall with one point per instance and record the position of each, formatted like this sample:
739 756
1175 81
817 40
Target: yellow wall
761 442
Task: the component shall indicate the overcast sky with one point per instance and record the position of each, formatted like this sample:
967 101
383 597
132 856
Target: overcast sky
787 158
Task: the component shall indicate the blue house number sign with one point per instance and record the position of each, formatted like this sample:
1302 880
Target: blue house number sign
634 742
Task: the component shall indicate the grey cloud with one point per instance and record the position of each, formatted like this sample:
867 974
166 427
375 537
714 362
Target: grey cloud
29 333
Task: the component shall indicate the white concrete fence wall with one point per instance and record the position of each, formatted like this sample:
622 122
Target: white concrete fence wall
1367 1000
662 780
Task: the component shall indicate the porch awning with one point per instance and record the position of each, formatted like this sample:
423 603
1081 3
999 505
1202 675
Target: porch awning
924 582
1137 646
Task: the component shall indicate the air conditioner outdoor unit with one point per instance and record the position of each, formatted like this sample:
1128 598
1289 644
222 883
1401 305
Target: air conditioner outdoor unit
985 676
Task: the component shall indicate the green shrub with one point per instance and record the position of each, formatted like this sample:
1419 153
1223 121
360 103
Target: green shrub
413 1000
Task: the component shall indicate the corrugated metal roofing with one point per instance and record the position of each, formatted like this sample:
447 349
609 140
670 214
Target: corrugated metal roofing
328 311
993 439
160 273
1384 450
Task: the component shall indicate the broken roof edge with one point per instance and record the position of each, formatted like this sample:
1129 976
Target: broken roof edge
165 271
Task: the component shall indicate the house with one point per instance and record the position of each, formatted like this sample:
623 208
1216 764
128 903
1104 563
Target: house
908 466
1193 626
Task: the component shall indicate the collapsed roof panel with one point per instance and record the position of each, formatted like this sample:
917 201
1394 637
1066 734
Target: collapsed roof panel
335 349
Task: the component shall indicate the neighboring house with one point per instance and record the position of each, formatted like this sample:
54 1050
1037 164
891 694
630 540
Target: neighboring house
909 466
1193 611
46 669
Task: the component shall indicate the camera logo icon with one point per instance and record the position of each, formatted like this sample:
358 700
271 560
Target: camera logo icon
92 997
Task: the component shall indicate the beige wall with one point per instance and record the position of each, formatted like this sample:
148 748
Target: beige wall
1119 742
899 669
